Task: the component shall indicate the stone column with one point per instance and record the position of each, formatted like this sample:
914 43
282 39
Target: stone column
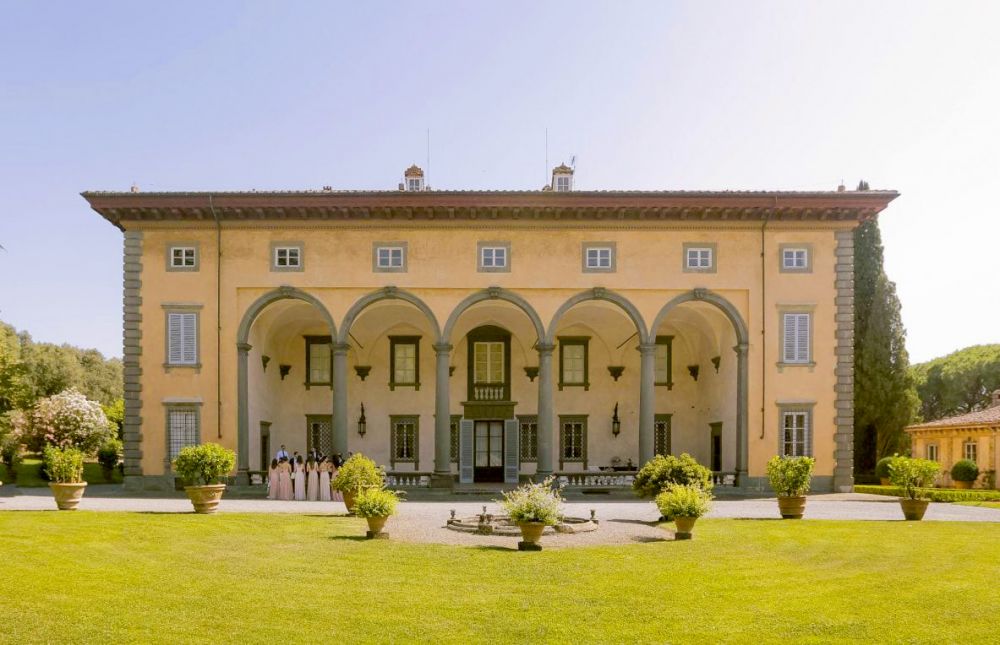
243 420
742 431
340 398
545 412
647 401
442 417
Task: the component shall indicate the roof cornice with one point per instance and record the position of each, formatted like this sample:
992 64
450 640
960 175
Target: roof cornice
120 208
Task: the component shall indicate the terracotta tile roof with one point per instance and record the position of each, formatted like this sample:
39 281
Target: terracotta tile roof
986 417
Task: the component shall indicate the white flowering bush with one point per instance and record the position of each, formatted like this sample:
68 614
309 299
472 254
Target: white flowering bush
534 503
65 420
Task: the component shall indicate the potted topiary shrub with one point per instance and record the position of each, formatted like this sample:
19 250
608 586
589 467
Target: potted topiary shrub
533 507
964 473
108 456
203 468
882 469
684 503
357 473
65 468
376 505
913 475
661 471
790 478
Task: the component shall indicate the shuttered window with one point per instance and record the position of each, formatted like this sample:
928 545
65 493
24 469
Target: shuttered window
796 330
182 430
796 438
182 338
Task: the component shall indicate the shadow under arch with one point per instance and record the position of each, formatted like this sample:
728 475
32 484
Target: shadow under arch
492 293
243 350
742 368
599 293
386 293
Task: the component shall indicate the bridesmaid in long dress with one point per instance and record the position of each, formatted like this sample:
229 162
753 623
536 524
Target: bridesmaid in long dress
334 494
324 480
300 480
272 480
284 480
312 482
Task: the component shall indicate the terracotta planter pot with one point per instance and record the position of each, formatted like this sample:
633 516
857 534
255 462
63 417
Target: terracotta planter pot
792 508
68 496
963 485
885 481
375 525
205 498
531 532
684 526
349 501
914 509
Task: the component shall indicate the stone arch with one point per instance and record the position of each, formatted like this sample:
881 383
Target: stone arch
387 293
742 373
599 293
493 293
243 349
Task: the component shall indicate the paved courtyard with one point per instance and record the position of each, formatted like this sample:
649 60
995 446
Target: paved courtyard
620 522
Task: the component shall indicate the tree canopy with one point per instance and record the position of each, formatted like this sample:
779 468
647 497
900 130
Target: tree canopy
957 383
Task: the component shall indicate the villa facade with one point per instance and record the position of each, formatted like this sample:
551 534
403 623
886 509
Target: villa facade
467 336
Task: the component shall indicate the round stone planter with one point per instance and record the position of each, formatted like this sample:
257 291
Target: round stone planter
684 527
68 496
963 485
531 534
205 499
349 498
914 509
375 526
792 507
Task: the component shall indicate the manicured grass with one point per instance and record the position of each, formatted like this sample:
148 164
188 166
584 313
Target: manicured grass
117 577
28 475
983 504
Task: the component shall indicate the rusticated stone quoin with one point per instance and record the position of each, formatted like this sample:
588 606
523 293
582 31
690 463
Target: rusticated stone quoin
132 349
843 474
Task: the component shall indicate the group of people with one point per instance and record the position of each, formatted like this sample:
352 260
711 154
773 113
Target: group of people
292 477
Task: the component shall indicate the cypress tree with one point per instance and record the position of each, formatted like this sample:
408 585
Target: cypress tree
884 397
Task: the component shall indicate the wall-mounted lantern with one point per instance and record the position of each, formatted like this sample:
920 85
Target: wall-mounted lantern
264 360
616 423
362 422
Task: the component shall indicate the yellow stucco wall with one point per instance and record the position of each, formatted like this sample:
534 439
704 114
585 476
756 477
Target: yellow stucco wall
950 444
546 271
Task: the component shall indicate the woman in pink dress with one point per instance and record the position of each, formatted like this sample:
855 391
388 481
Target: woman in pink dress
334 494
312 480
300 480
272 480
284 480
324 480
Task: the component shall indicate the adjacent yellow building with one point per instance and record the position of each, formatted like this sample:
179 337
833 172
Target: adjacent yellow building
971 436
468 336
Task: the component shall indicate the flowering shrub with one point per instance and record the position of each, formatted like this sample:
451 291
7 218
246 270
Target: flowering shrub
790 476
661 471
67 419
358 472
204 464
375 502
913 475
534 503
64 465
683 501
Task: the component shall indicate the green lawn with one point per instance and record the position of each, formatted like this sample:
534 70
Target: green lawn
983 504
28 475
117 577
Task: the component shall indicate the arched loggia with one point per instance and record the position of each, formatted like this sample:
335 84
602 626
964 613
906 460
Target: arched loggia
742 368
386 293
493 293
242 351
599 293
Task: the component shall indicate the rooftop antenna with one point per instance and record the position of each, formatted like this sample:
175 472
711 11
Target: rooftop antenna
427 175
546 155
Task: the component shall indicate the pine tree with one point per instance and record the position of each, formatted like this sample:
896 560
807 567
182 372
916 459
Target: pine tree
884 396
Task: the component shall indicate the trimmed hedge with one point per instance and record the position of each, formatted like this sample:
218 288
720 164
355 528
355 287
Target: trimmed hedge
935 494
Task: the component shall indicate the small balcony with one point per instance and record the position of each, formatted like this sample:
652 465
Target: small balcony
484 392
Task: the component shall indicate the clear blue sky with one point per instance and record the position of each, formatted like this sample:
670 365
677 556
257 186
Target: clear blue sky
658 95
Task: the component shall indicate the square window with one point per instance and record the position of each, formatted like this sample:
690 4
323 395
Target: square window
699 258
794 258
183 257
414 184
390 258
599 258
494 257
286 258
563 183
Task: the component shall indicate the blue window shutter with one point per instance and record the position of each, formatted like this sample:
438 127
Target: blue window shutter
512 451
465 451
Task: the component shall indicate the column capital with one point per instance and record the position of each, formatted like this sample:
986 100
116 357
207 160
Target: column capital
341 348
741 348
545 348
646 348
244 347
443 348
